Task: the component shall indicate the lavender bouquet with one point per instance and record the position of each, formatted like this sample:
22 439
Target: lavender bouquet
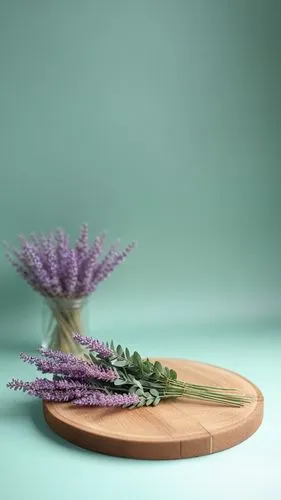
113 377
65 277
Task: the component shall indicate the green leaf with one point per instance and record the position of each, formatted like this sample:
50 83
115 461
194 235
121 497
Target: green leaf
173 375
141 403
167 371
133 389
156 401
137 383
145 368
139 392
137 359
143 382
149 402
112 345
132 407
158 367
120 363
127 353
119 381
119 350
148 368
154 392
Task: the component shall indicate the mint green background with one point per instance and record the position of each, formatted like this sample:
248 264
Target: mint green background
157 121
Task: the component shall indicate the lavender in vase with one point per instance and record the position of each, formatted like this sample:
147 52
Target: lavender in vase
65 277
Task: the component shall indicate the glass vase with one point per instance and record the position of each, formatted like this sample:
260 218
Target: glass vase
65 318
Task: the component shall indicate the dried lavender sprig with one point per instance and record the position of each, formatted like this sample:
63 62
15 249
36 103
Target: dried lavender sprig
44 384
52 268
49 394
71 275
50 366
52 265
88 266
34 264
105 271
62 247
93 345
59 363
22 271
18 385
59 356
71 390
58 396
82 244
97 398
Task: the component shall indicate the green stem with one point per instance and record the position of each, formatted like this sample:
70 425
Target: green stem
208 395
212 387
209 398
207 389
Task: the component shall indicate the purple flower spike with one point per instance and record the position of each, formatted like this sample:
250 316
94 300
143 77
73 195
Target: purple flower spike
82 246
93 345
33 262
56 396
88 266
19 385
59 363
98 398
71 273
52 266
54 269
52 390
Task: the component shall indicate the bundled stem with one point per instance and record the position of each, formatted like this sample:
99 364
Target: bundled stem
66 318
216 396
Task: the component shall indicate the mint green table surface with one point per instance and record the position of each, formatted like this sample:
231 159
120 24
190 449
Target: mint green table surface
156 120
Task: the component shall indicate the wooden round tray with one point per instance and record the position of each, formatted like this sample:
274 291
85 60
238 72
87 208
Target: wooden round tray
174 429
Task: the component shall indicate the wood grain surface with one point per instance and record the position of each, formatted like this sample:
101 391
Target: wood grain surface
174 429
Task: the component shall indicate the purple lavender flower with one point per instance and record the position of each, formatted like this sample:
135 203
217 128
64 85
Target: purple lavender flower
57 356
21 270
93 345
63 383
88 266
69 365
62 248
45 384
56 396
109 264
107 261
41 243
34 263
52 390
71 273
98 398
80 393
51 366
51 267
82 246
19 385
